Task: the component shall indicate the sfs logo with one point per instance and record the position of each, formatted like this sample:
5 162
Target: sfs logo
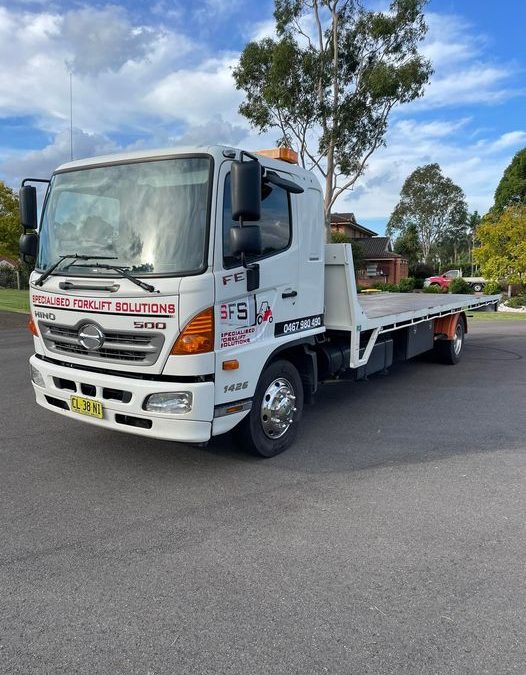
238 312
234 310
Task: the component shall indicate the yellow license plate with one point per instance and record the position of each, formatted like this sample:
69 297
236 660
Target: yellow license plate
86 406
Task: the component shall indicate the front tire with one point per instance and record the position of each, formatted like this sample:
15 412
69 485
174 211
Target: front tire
272 423
450 351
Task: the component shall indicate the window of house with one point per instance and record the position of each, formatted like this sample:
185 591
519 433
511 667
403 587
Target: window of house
372 270
275 223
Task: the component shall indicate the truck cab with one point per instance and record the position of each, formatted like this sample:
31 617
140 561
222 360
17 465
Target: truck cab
155 320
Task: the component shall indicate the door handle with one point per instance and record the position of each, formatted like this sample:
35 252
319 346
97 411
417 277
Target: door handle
289 294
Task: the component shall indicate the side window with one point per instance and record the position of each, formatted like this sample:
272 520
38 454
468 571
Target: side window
275 223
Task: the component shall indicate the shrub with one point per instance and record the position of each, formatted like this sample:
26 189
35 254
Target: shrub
7 277
419 282
517 302
406 285
433 289
492 288
389 288
460 286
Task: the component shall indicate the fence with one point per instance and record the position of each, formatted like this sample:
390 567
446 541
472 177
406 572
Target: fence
14 278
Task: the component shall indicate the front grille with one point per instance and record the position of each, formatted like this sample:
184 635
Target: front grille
118 346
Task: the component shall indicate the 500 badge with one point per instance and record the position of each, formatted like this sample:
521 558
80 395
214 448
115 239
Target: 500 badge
150 325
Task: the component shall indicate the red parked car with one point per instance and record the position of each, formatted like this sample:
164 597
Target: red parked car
443 280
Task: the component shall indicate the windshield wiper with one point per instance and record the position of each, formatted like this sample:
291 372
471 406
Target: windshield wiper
123 272
74 256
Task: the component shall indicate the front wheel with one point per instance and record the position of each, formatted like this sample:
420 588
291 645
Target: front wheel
272 423
478 287
450 351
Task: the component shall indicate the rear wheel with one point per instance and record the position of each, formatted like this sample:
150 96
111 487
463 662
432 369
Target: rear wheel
478 287
272 423
450 351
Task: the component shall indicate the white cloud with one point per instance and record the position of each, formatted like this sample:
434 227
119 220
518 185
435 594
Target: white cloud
215 131
450 40
126 76
261 30
193 94
464 73
161 82
104 39
508 140
475 166
479 83
41 163
411 129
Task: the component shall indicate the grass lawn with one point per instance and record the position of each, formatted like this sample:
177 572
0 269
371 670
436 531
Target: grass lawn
14 301
496 316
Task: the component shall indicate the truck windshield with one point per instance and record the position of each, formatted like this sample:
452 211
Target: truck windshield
150 216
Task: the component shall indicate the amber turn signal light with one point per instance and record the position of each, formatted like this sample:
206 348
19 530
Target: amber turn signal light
32 326
233 364
197 337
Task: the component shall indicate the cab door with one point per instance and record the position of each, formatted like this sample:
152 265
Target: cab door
250 324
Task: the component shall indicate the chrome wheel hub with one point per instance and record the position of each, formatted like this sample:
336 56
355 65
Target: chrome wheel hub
457 340
277 408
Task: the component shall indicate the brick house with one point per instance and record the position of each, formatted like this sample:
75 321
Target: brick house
8 263
345 223
381 263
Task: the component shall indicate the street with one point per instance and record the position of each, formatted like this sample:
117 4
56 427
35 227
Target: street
389 539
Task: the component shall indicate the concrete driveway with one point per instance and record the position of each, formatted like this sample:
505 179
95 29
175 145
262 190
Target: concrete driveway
389 539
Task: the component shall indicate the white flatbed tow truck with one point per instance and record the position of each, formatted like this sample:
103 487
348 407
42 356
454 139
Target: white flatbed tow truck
181 294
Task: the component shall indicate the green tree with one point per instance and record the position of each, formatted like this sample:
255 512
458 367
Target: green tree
408 245
329 91
474 220
512 185
502 250
453 249
434 204
9 222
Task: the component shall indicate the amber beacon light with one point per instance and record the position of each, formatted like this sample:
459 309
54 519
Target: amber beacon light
284 154
197 337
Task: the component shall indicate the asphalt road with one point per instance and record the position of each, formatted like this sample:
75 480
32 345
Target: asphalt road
389 539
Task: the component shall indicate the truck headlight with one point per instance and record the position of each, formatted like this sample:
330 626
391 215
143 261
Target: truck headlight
176 402
36 376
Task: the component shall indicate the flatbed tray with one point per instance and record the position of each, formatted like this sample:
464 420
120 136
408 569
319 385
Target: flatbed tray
381 309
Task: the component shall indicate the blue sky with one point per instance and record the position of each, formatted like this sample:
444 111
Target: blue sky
151 74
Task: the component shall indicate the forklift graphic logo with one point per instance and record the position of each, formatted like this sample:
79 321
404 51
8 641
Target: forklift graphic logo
264 313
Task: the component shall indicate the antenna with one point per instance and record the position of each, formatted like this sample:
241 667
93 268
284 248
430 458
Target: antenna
69 68
71 113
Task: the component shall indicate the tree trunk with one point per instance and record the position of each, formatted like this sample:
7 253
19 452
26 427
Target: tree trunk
328 193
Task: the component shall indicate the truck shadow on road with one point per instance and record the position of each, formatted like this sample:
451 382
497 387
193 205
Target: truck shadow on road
419 412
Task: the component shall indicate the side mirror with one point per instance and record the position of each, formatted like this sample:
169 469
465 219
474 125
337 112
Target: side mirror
246 240
245 184
28 207
28 245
